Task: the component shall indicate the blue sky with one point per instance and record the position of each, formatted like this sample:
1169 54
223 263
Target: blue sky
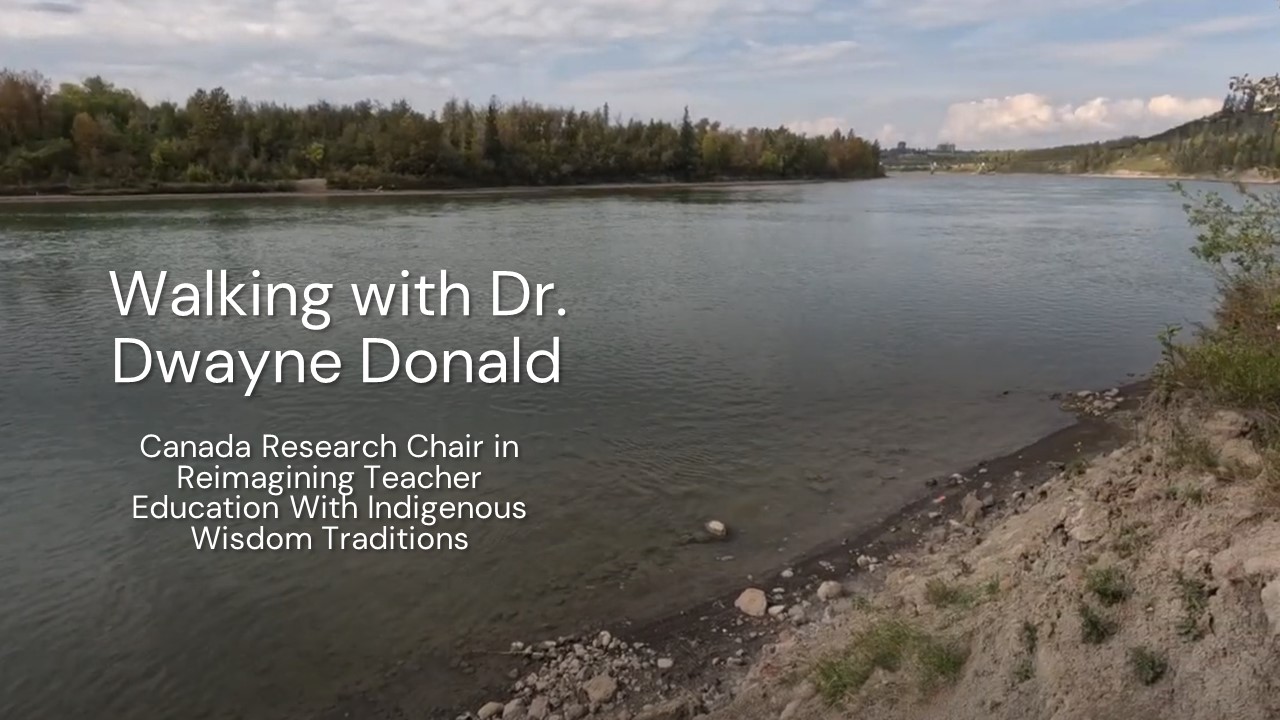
981 73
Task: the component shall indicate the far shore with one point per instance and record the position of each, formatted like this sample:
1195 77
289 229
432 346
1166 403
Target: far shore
499 191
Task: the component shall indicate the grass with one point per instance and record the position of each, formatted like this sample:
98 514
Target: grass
1148 665
1077 467
942 594
1108 584
1094 628
1189 450
1194 594
1190 494
1131 540
1030 636
889 645
1025 669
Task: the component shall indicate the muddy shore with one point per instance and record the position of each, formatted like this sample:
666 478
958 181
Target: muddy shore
702 648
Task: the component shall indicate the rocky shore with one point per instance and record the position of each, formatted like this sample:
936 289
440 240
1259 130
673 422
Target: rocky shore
1074 579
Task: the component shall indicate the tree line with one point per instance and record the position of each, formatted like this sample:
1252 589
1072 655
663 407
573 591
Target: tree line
96 136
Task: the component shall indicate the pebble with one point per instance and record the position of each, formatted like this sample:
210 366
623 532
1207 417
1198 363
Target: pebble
666 663
717 529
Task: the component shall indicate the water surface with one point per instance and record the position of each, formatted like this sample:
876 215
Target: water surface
793 360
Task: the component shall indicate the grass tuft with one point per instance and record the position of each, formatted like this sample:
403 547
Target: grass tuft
1148 666
1189 450
944 595
1194 594
1108 584
1094 628
889 645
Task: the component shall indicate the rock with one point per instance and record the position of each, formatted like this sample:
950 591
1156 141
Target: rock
574 712
1256 554
830 590
1240 454
972 509
604 639
514 710
752 602
1271 604
600 689
865 562
791 711
490 710
666 663
1089 523
777 610
1227 425
717 529
539 708
788 574
935 516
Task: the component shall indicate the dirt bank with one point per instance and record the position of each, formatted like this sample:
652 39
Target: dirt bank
1128 567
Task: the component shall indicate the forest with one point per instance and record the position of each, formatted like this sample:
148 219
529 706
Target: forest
94 137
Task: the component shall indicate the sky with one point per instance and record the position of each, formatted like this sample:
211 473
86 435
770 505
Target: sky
979 73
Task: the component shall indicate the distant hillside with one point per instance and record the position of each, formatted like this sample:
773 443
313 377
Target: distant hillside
1226 143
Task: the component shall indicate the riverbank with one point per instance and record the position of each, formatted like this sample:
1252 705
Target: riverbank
1073 579
324 194
1249 177
695 659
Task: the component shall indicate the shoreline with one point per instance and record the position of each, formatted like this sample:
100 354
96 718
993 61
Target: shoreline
513 191
708 642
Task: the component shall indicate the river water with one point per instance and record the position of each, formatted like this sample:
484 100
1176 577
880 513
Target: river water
793 360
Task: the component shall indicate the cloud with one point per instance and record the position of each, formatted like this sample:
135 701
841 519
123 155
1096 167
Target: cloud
751 63
1030 119
932 14
819 126
1140 49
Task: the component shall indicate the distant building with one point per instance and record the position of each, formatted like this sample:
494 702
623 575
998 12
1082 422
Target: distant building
946 147
902 146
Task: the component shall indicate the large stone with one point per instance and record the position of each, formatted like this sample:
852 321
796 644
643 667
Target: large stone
830 590
600 689
752 602
1227 425
1271 604
514 710
1239 454
539 708
972 508
490 710
1254 555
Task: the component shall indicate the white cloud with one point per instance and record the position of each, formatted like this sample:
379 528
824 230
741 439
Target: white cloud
819 126
1030 119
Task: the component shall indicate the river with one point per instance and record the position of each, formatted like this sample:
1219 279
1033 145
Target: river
793 360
